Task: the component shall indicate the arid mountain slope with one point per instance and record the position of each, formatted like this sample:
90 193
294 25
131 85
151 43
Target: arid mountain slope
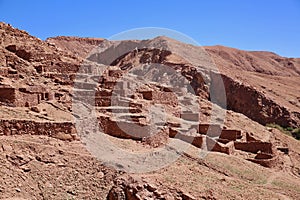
79 46
267 78
44 154
274 78
254 61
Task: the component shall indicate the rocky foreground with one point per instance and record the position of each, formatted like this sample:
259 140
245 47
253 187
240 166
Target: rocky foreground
52 91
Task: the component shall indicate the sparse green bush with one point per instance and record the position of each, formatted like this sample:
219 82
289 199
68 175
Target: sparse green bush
294 132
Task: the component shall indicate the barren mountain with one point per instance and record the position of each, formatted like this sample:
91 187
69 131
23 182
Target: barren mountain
87 118
81 47
266 77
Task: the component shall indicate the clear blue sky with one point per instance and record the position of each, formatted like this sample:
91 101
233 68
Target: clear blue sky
271 25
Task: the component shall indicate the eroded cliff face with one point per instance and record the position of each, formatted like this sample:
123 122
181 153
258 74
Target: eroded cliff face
256 105
261 85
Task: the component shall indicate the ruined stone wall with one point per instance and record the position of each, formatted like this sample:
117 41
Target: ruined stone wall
61 130
7 95
254 146
168 98
230 135
272 162
26 99
124 129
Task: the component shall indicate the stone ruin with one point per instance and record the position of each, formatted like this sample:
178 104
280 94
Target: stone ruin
118 112
59 130
118 118
24 96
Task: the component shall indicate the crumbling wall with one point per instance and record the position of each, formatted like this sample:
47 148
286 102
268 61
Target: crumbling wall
230 134
28 98
254 146
168 98
7 95
124 129
268 162
61 130
24 97
213 145
211 129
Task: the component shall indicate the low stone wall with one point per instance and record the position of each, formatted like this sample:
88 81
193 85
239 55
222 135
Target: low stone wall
213 129
7 95
24 97
123 129
272 162
213 145
60 130
190 116
254 146
168 98
231 135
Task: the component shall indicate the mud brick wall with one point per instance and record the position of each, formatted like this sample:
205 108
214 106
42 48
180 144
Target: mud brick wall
13 127
24 97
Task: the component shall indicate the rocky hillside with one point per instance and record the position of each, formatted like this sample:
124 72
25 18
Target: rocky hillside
260 85
81 47
86 118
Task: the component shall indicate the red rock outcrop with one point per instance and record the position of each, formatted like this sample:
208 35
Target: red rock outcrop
255 104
